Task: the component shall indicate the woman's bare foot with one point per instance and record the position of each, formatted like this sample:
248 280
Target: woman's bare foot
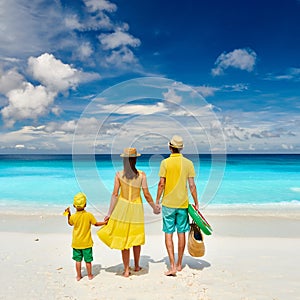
137 269
126 274
90 277
78 278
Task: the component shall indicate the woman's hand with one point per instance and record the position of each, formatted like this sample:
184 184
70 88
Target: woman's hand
156 209
106 218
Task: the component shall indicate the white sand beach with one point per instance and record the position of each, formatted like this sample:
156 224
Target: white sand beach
249 256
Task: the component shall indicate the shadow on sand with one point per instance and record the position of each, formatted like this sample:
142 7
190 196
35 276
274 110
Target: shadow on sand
191 262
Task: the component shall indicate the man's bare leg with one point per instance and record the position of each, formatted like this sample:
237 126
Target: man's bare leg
181 246
170 249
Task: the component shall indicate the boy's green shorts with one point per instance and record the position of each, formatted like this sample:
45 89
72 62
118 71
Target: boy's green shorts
87 254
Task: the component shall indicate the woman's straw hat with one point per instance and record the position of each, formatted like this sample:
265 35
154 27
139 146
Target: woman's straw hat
176 142
79 200
130 152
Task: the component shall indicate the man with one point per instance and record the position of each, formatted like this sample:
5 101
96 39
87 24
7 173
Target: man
175 172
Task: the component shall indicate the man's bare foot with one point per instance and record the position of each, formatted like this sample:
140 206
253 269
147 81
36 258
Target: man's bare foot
90 277
179 268
78 278
170 273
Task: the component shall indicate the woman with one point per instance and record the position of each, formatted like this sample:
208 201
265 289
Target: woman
125 227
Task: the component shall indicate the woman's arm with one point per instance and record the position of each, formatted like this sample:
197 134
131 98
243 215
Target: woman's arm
147 195
114 197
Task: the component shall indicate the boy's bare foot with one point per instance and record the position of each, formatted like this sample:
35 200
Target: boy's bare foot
170 273
78 278
90 277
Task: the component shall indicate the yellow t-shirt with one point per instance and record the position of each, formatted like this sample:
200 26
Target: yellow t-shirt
82 237
176 169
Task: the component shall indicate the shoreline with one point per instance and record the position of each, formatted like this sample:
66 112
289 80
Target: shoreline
224 223
271 209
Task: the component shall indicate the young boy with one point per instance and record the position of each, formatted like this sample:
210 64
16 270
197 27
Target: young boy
82 242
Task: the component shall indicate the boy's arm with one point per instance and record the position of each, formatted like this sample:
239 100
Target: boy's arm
100 223
68 211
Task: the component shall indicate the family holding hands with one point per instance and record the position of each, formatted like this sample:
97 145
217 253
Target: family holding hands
124 222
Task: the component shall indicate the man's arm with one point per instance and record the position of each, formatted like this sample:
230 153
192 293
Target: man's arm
160 189
193 190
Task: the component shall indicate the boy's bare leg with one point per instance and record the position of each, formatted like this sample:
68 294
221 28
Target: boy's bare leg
125 258
78 270
181 246
89 270
136 255
170 249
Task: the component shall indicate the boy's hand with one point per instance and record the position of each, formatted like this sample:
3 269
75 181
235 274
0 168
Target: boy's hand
67 211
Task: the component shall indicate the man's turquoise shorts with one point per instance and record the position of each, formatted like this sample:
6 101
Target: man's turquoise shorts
79 254
175 218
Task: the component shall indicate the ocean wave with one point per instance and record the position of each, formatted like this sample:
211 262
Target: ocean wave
295 189
280 209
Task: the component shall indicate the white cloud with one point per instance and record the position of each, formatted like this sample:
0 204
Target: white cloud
28 102
84 51
56 75
72 22
118 39
122 58
24 29
100 5
89 23
287 147
243 59
137 109
10 80
52 73
25 26
206 91
292 74
171 96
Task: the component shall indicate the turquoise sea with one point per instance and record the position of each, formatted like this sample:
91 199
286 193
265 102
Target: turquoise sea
49 182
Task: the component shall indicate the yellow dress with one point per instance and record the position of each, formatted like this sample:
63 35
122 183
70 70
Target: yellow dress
125 227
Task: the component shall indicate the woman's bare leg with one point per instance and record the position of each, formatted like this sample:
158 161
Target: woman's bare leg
125 258
136 255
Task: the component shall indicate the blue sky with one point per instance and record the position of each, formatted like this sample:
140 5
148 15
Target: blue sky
242 57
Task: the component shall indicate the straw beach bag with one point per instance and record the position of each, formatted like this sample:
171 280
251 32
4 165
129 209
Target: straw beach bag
196 246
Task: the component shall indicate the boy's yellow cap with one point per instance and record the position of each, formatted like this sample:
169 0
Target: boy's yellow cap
79 200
